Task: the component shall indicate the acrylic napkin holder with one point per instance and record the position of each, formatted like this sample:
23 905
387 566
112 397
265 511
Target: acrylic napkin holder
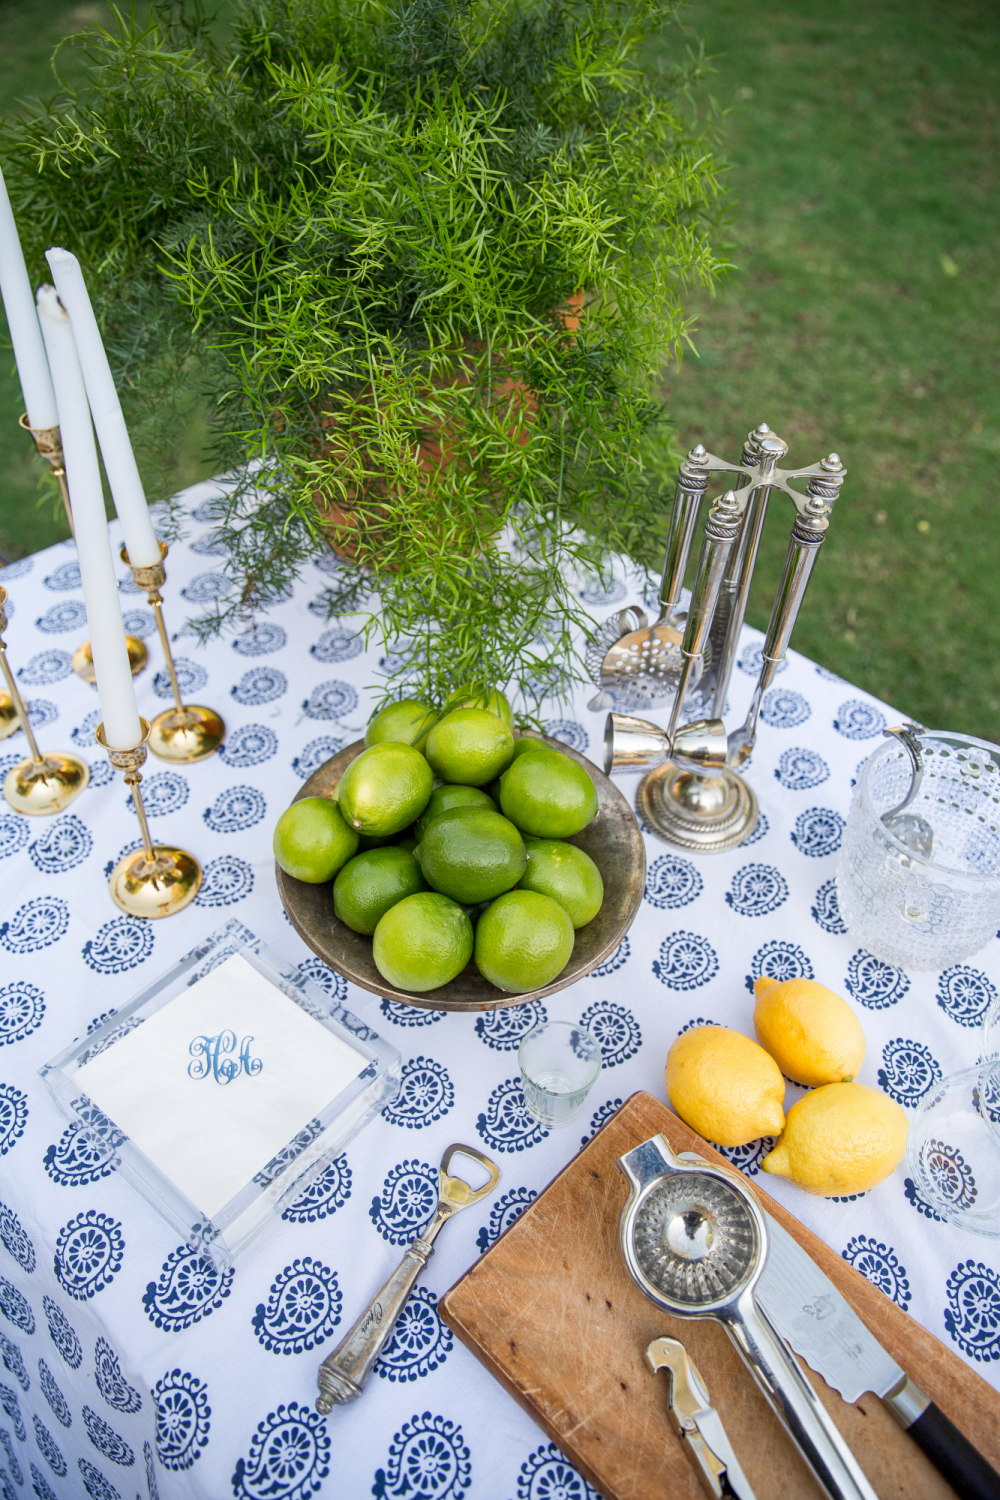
297 1163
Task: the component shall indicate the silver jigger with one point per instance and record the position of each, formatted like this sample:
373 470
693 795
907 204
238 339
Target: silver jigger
690 798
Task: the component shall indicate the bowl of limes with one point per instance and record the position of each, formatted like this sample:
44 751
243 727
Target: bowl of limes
452 862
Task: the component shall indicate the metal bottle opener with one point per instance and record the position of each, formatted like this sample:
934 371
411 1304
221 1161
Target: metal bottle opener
343 1373
697 1422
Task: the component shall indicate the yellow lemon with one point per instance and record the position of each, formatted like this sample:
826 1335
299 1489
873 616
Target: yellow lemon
842 1138
724 1086
812 1034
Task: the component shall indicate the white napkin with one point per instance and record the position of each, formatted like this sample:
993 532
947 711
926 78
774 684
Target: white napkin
218 1080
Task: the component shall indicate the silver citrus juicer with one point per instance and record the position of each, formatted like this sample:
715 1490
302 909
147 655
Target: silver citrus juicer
695 1241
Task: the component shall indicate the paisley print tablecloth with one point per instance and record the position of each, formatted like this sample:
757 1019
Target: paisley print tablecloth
129 1365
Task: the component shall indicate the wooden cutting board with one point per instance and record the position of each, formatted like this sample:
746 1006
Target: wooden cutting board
552 1312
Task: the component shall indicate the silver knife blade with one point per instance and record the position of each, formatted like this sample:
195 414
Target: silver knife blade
819 1323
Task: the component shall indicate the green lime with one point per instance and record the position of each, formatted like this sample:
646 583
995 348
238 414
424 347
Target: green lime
471 696
372 882
469 747
565 873
385 789
523 940
527 744
471 854
312 841
368 841
407 720
422 942
548 795
444 798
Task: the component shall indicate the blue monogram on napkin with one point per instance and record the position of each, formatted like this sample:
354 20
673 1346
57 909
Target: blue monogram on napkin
209 1059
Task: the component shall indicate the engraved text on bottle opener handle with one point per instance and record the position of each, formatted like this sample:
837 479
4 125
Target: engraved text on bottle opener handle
343 1373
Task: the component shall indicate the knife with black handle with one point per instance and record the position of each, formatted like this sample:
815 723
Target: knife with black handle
821 1326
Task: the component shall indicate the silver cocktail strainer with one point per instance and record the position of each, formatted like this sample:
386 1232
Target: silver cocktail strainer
695 1242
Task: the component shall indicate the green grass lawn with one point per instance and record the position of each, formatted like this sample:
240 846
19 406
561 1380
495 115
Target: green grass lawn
31 513
862 317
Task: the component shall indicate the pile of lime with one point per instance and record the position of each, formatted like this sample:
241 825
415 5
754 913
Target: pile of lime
446 841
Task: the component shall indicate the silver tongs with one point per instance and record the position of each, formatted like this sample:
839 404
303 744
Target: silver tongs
697 1423
343 1373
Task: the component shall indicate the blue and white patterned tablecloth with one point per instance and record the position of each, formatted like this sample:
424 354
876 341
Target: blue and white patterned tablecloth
131 1367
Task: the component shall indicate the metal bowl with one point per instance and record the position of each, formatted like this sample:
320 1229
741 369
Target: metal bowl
612 840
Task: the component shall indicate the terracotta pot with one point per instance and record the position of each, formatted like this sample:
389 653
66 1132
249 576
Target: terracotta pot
433 450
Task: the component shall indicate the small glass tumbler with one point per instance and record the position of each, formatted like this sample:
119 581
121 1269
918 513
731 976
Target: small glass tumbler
924 911
953 1149
559 1063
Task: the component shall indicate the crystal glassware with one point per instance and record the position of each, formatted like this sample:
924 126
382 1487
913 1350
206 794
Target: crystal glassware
907 906
953 1150
559 1062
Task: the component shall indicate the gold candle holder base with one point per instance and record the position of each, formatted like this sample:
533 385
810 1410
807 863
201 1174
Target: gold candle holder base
40 784
186 734
83 658
41 787
156 884
158 879
9 721
706 814
188 731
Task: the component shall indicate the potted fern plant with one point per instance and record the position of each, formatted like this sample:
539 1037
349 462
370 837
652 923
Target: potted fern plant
423 260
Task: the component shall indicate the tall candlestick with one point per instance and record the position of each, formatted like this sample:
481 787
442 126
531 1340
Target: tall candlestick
22 319
93 546
116 449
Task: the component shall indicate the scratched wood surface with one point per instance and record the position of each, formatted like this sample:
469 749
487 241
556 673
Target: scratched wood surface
552 1313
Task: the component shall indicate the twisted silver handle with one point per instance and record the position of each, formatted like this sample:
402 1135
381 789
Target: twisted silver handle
692 483
808 532
720 533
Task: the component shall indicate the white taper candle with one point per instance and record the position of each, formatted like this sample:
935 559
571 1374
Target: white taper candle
22 320
93 545
116 449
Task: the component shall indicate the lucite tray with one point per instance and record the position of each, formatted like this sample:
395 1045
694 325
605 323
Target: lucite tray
294 1166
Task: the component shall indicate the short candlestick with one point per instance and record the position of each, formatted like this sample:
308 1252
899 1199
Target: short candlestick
48 445
158 879
42 783
186 732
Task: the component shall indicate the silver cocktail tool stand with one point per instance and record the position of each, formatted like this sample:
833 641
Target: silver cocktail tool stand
186 732
343 1373
41 783
693 798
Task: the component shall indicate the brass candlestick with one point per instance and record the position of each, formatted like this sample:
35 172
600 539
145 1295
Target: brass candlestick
159 879
185 732
48 445
40 784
